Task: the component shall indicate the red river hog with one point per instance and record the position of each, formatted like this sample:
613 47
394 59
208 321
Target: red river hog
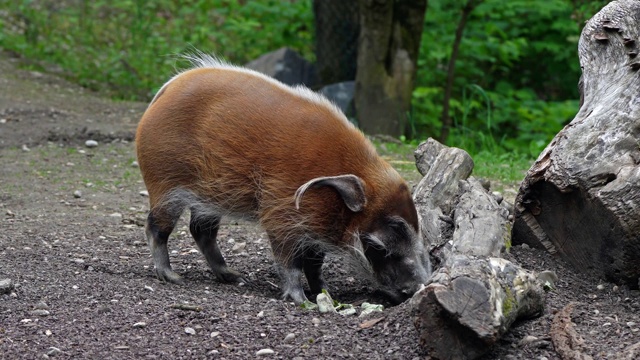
222 140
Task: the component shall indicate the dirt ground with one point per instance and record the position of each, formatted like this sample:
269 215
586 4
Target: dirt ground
73 246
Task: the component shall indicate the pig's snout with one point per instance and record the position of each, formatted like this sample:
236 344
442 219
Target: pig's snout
407 277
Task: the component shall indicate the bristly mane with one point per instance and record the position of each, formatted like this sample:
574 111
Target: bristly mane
199 59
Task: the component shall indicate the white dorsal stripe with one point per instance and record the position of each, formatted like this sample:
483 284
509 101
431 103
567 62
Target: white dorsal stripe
199 59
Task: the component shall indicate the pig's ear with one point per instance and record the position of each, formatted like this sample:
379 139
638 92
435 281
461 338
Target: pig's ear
350 188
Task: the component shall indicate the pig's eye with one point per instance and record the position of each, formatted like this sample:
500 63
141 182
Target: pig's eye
400 229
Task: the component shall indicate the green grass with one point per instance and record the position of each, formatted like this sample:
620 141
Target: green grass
127 48
504 170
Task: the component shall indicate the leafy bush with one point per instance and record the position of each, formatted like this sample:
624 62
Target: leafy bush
516 76
129 45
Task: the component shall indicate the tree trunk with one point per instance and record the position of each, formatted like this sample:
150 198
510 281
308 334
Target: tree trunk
451 68
337 28
580 199
475 296
390 33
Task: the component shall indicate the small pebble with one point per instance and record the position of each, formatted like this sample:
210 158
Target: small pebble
53 351
261 314
144 193
25 148
40 312
524 246
615 288
41 305
140 324
90 143
6 285
190 331
600 287
289 337
77 194
315 321
263 352
135 164
527 340
239 247
48 332
115 215
631 324
214 334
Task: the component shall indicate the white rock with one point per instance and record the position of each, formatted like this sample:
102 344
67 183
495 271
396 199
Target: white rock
41 305
289 337
25 148
135 164
147 287
527 340
214 334
315 321
190 331
48 332
600 287
263 352
90 143
140 324
261 314
144 193
239 247
40 312
6 285
77 194
115 215
53 351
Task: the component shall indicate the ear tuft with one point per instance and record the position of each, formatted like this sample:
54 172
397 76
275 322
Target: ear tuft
350 188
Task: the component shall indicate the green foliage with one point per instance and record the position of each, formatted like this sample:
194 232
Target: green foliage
128 46
516 75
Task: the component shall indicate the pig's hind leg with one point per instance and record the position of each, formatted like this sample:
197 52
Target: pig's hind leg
204 230
160 224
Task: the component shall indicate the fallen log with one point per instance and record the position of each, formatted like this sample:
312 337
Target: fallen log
581 198
474 296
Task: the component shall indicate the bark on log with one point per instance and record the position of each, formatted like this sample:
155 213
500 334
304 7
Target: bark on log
473 298
581 198
470 303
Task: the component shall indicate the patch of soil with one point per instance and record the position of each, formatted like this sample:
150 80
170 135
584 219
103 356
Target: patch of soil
73 244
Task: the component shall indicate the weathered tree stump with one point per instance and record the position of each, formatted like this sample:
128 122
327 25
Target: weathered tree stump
581 198
475 296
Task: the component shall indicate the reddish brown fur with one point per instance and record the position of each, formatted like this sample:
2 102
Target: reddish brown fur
260 142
